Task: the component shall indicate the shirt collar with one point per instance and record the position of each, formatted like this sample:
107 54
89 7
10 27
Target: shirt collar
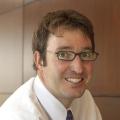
54 107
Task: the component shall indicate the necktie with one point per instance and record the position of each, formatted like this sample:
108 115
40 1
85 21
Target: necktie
69 115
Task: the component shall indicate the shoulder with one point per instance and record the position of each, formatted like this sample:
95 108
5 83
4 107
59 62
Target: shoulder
85 107
5 115
20 103
24 90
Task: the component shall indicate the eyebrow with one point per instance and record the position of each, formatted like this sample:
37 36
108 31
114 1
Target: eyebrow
64 48
87 48
69 48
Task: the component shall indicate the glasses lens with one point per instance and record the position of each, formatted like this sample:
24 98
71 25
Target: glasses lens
88 55
65 55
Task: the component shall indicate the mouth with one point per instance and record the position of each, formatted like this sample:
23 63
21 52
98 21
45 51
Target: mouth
74 80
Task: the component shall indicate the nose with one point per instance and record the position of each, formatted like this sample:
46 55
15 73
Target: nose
77 65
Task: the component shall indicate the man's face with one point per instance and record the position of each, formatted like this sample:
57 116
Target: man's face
67 80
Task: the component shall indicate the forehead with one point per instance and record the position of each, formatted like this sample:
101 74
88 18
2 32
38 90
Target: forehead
69 40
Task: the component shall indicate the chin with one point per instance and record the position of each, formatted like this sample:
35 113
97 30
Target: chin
78 94
75 94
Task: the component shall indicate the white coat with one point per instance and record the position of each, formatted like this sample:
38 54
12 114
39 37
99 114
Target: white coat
24 105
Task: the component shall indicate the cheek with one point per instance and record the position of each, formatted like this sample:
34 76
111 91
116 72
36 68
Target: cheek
61 66
56 69
90 68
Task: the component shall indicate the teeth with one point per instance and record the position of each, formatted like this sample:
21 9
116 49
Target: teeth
73 80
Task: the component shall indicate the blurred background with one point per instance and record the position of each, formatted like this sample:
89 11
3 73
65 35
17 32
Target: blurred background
18 20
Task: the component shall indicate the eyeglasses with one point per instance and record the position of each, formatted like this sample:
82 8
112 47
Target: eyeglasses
86 55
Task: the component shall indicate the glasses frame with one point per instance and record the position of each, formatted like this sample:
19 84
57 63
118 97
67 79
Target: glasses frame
79 54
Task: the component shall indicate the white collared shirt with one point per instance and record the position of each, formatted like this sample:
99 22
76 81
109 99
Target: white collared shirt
83 108
21 105
53 107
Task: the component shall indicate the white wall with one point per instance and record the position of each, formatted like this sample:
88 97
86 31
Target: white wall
11 49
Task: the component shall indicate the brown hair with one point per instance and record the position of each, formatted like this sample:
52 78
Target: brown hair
69 19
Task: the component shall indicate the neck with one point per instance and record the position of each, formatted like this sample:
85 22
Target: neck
65 102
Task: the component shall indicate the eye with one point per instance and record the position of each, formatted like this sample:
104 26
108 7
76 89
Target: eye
86 54
64 55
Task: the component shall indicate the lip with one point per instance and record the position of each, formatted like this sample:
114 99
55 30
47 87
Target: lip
74 80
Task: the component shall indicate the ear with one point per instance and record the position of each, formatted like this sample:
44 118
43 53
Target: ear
37 60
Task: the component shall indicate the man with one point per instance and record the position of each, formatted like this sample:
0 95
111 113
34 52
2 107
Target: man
64 55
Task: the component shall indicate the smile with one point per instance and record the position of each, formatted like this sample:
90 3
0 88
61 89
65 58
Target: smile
74 80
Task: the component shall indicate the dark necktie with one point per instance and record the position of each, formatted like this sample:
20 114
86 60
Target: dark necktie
69 115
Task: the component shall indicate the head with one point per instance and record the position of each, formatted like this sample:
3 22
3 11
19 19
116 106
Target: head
52 22
58 32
